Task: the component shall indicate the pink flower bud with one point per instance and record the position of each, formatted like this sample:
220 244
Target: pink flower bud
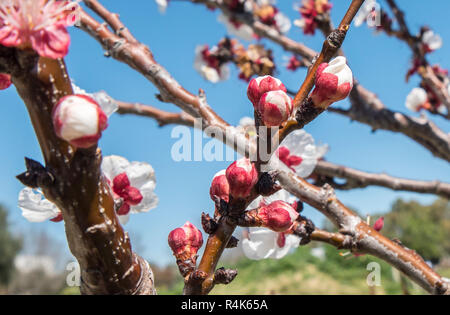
185 241
261 85
378 226
79 120
241 176
5 81
274 108
278 216
334 81
220 187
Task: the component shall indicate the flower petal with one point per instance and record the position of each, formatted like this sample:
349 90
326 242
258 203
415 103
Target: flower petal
35 208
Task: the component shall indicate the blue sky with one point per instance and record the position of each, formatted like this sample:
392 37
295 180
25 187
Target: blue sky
379 63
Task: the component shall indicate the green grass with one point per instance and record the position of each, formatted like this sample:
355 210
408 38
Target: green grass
301 273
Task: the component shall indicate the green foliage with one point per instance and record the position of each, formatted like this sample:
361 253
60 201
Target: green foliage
424 228
9 247
302 273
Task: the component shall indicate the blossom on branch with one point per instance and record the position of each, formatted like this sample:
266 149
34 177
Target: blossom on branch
334 81
298 153
5 81
35 208
210 64
367 13
236 28
312 11
132 184
79 120
430 40
256 60
262 243
38 24
269 15
417 99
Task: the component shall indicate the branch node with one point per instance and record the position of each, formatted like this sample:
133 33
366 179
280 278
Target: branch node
36 175
224 276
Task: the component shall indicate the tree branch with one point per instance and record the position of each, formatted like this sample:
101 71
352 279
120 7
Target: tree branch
327 170
358 179
77 187
368 109
365 238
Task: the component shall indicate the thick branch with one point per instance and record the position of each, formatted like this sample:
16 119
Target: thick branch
358 179
95 237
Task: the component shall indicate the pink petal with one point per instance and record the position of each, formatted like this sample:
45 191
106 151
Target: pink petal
52 42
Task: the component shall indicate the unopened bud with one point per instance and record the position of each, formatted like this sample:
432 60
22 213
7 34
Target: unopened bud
278 216
274 108
258 86
334 81
79 120
242 177
185 241
220 186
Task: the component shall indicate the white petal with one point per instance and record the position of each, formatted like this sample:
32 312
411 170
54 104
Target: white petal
162 5
416 98
244 31
123 219
282 194
246 121
261 243
35 208
283 22
292 242
114 165
108 105
433 41
300 143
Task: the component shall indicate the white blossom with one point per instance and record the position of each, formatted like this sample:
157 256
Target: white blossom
162 5
34 206
140 175
416 99
365 11
431 40
262 243
243 31
209 73
300 145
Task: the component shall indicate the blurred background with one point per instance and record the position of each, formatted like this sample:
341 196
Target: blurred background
34 257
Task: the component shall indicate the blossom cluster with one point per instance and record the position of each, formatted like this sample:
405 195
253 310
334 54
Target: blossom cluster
264 11
132 186
40 25
212 63
312 13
